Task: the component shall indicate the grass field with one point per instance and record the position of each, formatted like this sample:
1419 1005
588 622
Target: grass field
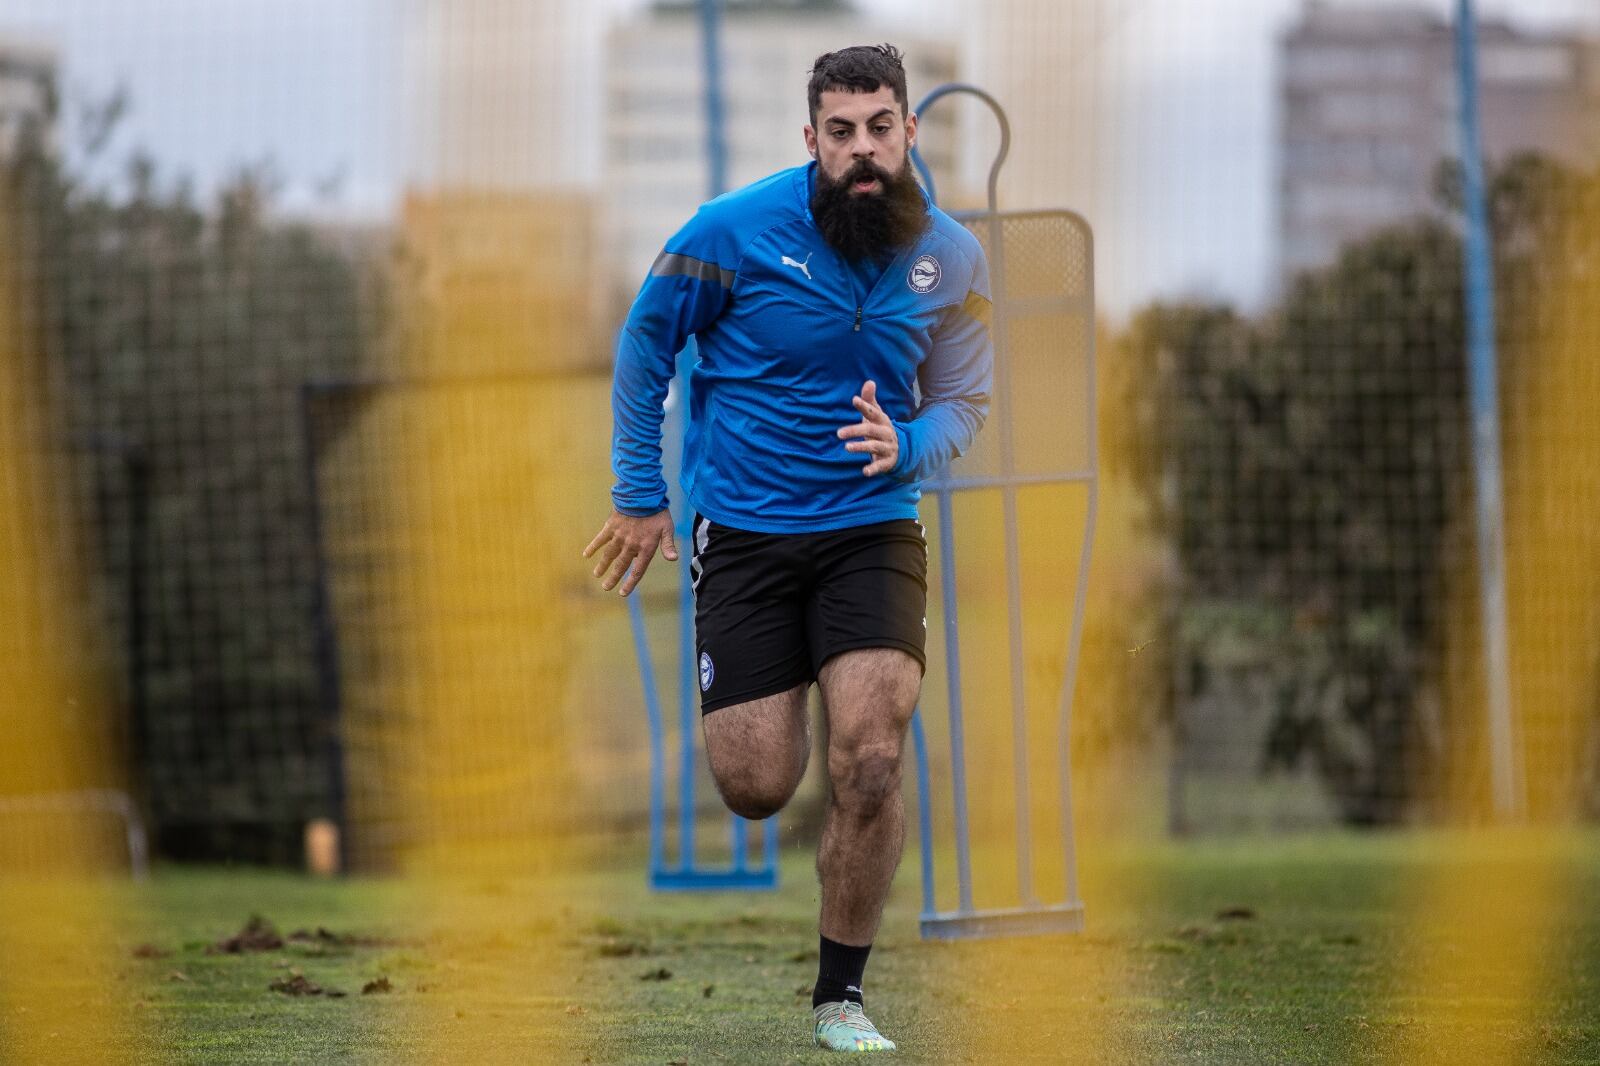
1310 969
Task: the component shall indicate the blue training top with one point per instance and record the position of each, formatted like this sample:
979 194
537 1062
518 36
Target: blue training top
787 333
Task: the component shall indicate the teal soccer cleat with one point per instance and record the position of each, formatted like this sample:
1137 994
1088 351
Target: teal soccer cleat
842 1027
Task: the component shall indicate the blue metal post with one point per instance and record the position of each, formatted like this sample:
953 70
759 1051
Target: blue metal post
1478 266
958 740
919 741
689 670
647 675
711 54
1019 713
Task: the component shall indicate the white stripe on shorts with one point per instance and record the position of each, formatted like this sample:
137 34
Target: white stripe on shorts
702 536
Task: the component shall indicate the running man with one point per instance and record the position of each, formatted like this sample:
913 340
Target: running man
844 358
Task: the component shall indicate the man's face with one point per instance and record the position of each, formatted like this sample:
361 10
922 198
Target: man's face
861 127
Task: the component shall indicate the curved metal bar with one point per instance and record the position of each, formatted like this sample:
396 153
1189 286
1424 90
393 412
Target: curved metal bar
1000 157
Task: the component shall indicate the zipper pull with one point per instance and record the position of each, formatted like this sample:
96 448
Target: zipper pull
858 320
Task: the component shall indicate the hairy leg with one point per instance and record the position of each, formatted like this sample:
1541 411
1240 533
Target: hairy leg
870 695
758 751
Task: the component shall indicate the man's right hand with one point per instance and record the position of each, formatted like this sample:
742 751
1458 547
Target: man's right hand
626 545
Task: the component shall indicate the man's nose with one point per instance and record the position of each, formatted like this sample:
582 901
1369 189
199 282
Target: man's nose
862 147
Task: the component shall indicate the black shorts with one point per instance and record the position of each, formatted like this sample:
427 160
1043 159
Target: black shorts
771 608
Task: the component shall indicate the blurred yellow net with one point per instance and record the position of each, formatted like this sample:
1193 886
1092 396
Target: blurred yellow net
63 915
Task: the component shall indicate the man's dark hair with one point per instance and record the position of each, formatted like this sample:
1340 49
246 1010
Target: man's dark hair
862 68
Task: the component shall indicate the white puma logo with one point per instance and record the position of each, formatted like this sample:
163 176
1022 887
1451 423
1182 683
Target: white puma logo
799 265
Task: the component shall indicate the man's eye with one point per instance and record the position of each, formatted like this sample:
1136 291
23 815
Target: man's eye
881 130
839 135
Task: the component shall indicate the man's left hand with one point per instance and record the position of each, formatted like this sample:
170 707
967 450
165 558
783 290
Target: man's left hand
874 434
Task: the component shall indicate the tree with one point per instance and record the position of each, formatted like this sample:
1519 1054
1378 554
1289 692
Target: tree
176 338
1309 467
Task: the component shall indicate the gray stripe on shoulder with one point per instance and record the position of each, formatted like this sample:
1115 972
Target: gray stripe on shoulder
671 264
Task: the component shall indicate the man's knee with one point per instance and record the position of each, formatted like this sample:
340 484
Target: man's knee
756 797
758 752
865 777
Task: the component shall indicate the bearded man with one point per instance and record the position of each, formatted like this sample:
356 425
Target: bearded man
844 357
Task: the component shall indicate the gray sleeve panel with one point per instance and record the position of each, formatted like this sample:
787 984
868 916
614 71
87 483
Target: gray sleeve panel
671 264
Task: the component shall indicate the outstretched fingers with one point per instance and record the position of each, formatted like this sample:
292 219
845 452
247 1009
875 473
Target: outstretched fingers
625 546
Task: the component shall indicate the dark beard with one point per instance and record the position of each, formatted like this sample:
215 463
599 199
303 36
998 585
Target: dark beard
870 225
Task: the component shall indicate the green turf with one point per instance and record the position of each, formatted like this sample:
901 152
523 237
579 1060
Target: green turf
1309 976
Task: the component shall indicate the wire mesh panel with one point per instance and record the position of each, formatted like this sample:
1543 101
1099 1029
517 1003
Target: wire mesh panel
1014 524
1046 295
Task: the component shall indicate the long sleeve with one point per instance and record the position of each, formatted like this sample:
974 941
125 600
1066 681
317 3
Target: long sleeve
955 382
688 287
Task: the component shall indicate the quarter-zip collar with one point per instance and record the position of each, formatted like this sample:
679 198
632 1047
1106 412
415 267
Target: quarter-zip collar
805 184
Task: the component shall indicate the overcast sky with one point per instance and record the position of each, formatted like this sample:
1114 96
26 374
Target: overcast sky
318 86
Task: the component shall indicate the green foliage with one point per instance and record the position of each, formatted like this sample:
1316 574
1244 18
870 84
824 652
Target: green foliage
175 338
1308 468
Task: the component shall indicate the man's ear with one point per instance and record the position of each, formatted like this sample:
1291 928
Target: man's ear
911 131
811 140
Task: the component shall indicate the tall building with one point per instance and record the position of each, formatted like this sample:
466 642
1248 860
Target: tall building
1369 109
27 90
655 171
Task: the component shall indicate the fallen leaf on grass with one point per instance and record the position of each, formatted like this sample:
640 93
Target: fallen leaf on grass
380 984
576 1011
660 973
707 990
1236 914
258 934
296 984
177 975
150 951
326 937
619 949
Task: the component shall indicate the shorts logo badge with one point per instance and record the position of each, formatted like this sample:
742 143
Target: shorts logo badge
708 673
924 274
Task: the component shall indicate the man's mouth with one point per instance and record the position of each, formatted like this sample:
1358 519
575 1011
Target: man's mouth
865 185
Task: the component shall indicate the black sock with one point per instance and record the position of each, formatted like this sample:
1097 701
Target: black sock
839 971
